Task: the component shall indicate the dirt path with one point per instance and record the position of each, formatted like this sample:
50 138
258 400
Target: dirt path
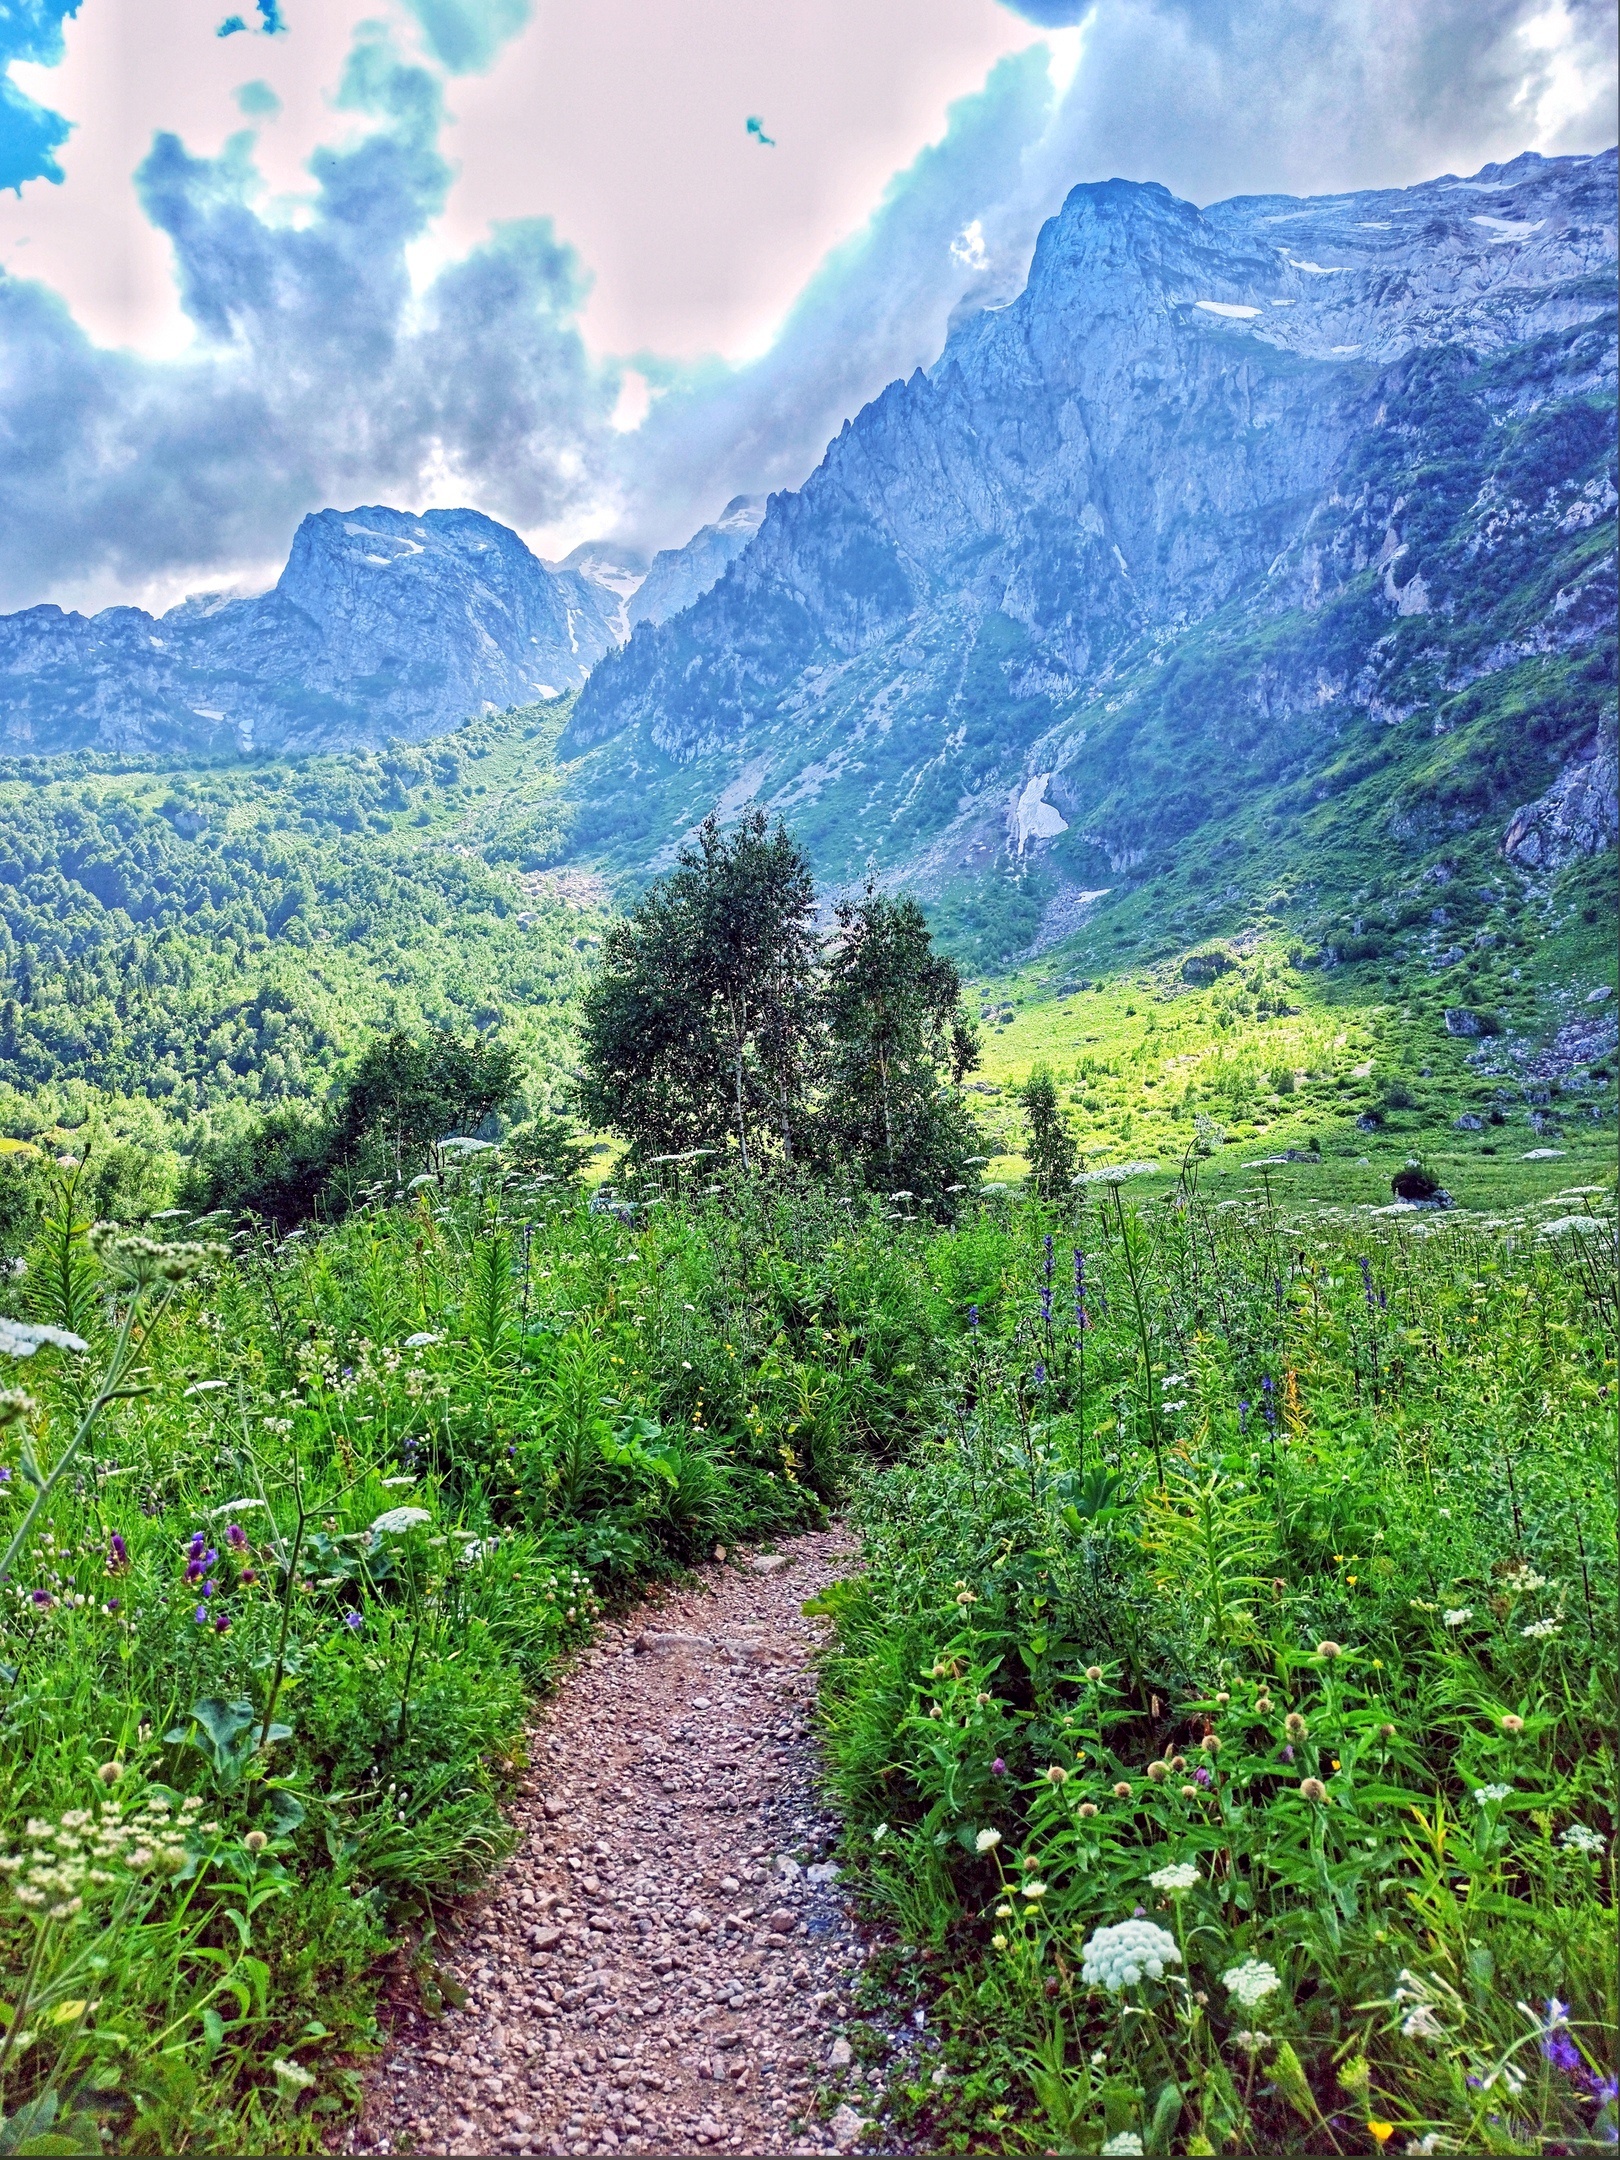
664 1965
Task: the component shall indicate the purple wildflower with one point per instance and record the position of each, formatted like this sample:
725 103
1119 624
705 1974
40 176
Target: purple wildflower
236 1537
1365 1266
44 1600
1040 1374
1288 1754
353 1621
117 1555
998 1768
201 1616
973 1318
1046 1304
1267 1391
1202 1777
1243 1419
222 1623
114 1603
5 1475
1560 2050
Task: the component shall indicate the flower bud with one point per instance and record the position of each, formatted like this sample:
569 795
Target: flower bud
1122 1791
255 1841
110 1772
1295 1726
1313 1789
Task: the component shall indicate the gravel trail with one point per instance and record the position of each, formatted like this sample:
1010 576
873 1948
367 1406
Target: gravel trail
664 1965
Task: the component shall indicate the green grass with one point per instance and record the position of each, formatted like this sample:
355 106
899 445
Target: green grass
571 1405
1338 1493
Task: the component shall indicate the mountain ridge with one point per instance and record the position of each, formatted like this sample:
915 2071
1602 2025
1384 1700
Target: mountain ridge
1299 451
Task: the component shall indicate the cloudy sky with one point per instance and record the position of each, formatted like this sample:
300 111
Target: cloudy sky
594 266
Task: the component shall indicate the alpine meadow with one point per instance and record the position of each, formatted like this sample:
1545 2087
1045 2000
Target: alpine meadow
808 1337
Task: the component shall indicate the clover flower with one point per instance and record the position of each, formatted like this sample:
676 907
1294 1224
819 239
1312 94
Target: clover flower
1179 1875
1121 1956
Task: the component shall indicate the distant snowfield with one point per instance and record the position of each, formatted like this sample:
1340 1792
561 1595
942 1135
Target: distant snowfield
1509 228
1227 307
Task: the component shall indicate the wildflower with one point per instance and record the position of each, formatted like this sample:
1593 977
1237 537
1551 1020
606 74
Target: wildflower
1381 2131
1094 1673
222 1623
1179 1875
998 1942
1313 1789
1122 1791
117 1555
1211 1743
353 1621
1578 1838
1122 2142
1189 1792
1457 1615
1330 1649
1004 1912
987 1841
1121 1956
1158 1772
880 1833
1491 1795
1178 1763
998 1768
1034 1890
236 1537
1088 1808
1512 1722
1420 2023
1057 1775
1263 1704
1560 2050
1202 1778
42 1599
1251 2042
1539 1630
110 1772
1251 1982
1295 1726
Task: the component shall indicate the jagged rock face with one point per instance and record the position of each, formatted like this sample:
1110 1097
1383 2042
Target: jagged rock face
382 624
1184 411
1579 814
681 575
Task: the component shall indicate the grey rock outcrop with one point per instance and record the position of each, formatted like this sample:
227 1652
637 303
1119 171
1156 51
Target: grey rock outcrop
1579 814
679 576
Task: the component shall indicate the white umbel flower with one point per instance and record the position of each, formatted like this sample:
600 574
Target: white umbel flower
1578 1838
1119 1957
1251 1982
1123 2141
1179 1875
